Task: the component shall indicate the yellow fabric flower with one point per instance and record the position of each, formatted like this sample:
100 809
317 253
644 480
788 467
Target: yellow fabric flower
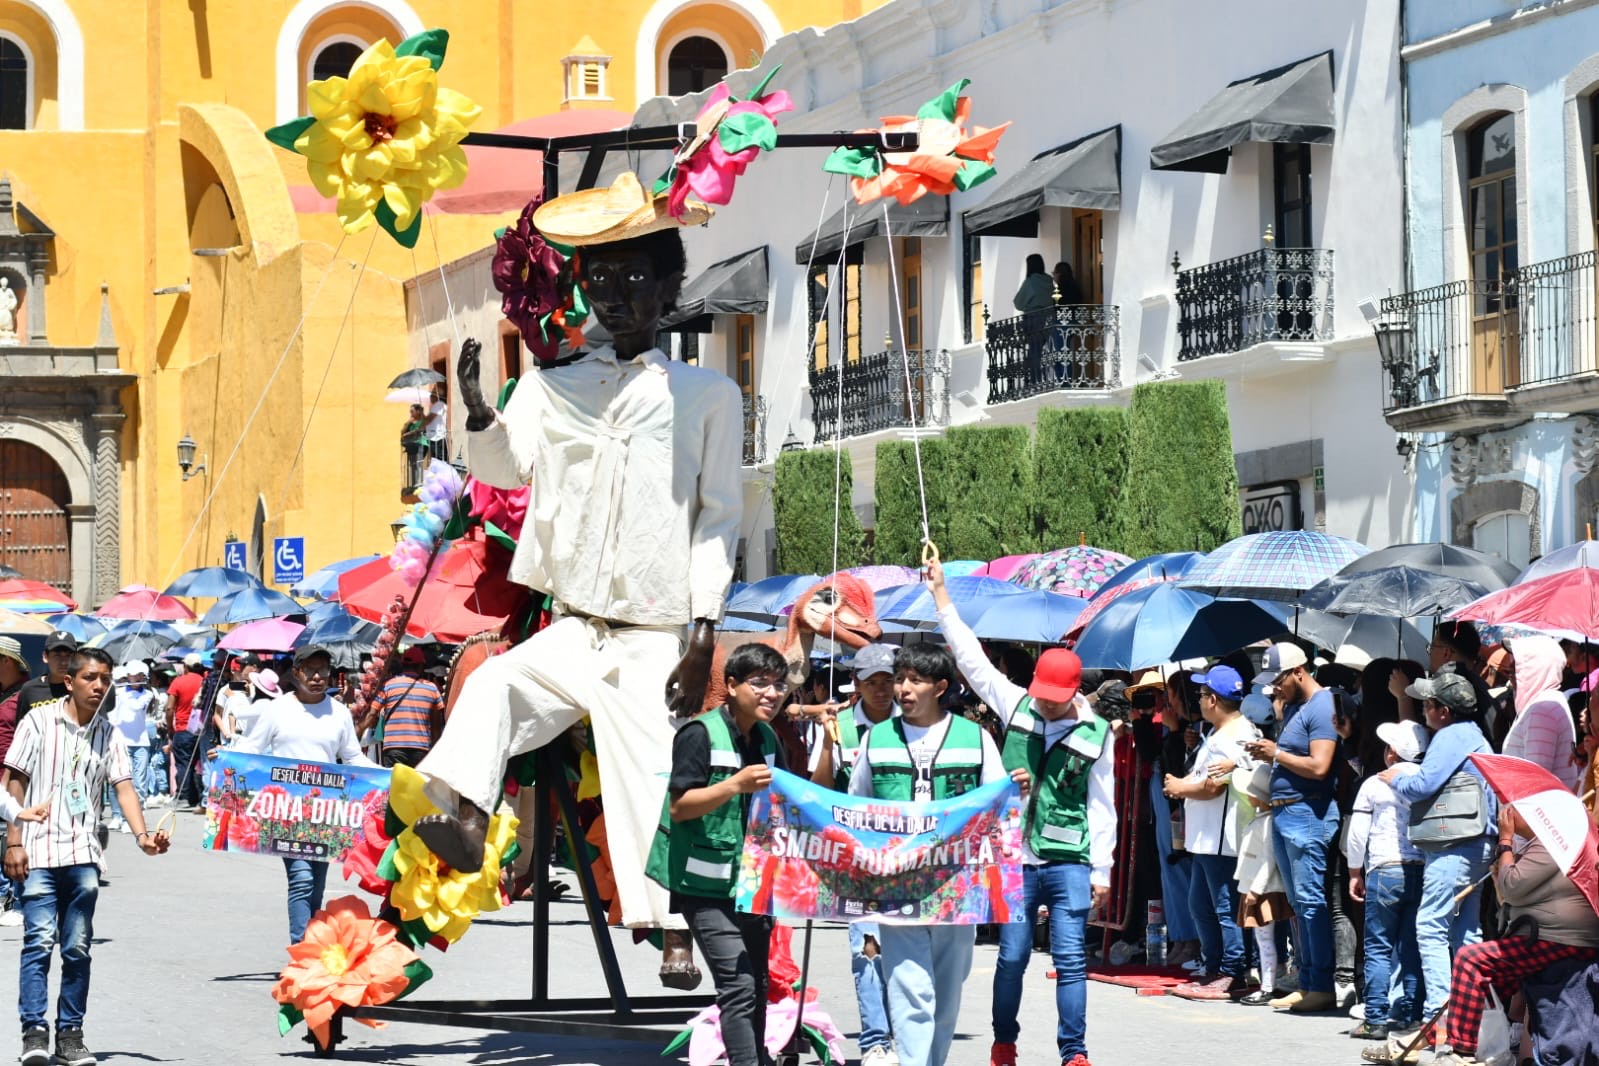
446 900
388 134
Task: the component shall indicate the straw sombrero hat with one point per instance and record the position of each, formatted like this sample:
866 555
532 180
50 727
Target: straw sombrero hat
604 216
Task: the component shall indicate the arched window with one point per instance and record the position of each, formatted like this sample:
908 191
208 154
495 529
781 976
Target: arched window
694 64
16 86
334 59
1507 534
1492 239
1593 161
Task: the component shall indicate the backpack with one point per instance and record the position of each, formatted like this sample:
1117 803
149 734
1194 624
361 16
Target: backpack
1456 815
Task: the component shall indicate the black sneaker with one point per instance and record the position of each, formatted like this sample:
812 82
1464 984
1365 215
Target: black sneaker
35 1047
70 1050
1369 1031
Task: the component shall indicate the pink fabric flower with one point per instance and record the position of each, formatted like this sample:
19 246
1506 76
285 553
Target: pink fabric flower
711 172
506 508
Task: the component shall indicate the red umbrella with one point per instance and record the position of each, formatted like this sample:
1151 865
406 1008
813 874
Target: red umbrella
145 603
468 591
1564 602
1553 812
22 589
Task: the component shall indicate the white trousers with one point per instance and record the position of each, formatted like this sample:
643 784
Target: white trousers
527 697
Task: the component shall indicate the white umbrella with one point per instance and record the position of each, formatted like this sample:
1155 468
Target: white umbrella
409 394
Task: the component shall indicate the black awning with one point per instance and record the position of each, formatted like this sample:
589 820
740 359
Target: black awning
1084 173
735 286
925 217
1290 105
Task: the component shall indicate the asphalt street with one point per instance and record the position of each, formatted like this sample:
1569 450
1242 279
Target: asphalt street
187 946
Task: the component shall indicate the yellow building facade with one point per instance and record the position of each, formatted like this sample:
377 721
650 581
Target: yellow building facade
181 270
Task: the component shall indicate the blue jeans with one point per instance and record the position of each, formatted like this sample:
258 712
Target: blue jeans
1174 875
1302 838
926 966
1214 901
57 907
139 757
190 769
1393 893
1443 926
306 881
870 996
1064 889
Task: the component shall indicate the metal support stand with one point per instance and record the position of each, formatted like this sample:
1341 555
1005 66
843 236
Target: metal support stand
614 1016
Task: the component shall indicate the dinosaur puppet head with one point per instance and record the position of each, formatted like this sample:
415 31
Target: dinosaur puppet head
841 608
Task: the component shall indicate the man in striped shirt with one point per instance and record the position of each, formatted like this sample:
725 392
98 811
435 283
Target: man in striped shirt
412 711
64 754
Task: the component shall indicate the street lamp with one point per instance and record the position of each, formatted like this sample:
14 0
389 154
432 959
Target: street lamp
792 443
397 527
186 461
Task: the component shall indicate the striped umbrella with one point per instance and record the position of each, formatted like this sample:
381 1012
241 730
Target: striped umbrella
1280 565
33 597
1076 571
142 601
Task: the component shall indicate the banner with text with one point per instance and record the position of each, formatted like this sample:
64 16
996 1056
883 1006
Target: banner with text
293 810
810 852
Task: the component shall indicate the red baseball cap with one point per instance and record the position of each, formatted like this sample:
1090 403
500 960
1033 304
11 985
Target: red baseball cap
1057 677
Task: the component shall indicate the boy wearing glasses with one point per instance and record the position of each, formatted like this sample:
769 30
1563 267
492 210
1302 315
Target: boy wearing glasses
718 760
309 726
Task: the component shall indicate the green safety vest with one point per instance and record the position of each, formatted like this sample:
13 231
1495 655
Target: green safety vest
849 742
957 765
1057 810
698 857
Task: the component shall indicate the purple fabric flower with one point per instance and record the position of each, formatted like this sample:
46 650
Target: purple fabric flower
527 272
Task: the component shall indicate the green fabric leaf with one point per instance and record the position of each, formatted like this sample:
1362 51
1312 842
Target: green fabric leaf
747 129
429 43
385 867
407 237
973 172
677 1041
500 536
854 162
285 135
943 105
522 769
508 856
392 826
417 974
460 521
664 182
760 88
580 306
415 932
505 394
818 1044
288 1017
500 232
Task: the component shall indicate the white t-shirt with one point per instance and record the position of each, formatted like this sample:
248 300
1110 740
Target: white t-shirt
312 732
1211 826
435 426
924 742
816 738
244 711
131 715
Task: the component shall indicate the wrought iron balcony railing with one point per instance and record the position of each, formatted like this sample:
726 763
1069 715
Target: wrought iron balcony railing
1272 295
754 430
1449 342
874 394
1557 319
1070 346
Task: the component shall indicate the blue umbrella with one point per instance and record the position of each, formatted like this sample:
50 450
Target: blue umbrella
1277 565
1036 617
735 624
914 603
211 581
137 639
1164 622
323 584
81 626
348 629
246 605
1167 567
765 599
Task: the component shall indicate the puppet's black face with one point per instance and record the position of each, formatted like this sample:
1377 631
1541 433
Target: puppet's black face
628 295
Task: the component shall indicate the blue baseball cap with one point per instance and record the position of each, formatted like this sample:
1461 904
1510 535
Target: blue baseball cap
1223 681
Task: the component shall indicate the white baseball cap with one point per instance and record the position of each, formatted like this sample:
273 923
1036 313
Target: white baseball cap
1280 657
1408 739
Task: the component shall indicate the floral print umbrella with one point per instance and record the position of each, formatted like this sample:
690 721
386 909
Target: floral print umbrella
1074 571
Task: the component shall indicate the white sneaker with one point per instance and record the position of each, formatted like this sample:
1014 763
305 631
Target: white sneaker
11 917
877 1056
1358 1011
1344 992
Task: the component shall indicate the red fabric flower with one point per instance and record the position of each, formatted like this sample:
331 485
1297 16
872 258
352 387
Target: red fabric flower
361 861
527 272
506 508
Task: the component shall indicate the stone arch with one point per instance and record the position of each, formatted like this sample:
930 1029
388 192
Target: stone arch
1586 493
288 65
1581 84
31 104
648 42
238 158
1458 119
68 61
64 443
1495 497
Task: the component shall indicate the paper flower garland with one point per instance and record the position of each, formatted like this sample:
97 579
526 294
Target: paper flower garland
425 522
729 134
382 141
947 158
348 959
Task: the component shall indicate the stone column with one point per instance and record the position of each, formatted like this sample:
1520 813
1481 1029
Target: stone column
80 535
107 443
37 261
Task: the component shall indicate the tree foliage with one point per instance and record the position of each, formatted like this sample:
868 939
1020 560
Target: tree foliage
1080 468
1182 479
803 508
898 535
990 492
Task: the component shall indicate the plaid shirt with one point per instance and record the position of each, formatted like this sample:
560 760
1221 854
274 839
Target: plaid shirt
52 750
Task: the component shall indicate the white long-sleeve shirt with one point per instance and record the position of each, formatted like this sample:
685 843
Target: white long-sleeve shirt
1379 825
1003 696
311 732
638 496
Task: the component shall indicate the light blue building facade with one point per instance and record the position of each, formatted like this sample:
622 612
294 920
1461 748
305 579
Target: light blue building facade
1491 374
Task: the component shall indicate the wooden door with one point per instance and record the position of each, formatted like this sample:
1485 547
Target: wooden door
744 374
1088 242
34 538
911 322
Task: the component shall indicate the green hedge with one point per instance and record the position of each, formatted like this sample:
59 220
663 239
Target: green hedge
898 537
802 510
990 492
1080 467
1182 480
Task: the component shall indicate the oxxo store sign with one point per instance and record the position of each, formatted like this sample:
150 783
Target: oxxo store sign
1272 507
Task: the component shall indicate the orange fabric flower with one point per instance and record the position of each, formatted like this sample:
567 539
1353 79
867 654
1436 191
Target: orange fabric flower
347 959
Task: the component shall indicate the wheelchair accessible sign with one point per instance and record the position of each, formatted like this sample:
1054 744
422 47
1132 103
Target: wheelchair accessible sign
288 560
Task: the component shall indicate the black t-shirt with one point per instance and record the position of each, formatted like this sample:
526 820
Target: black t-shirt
691 768
37 691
